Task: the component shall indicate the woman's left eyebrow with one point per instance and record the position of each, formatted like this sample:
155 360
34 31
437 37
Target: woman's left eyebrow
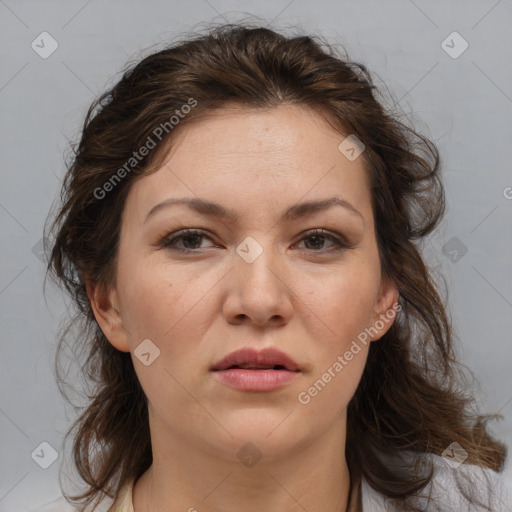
216 210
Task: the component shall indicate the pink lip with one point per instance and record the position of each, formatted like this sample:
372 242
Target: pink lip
233 369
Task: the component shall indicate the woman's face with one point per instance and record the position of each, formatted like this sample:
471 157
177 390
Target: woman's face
254 278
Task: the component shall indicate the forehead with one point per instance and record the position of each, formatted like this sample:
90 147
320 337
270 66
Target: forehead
267 140
255 157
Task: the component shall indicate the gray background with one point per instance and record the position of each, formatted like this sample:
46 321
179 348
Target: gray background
463 103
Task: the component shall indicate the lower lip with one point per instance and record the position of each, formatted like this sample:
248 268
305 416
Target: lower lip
255 380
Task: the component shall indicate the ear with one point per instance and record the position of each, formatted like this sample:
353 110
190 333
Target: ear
105 306
386 308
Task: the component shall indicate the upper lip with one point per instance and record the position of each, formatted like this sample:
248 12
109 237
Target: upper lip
250 357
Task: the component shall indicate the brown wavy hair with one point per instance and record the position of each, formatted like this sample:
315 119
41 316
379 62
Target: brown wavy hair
411 397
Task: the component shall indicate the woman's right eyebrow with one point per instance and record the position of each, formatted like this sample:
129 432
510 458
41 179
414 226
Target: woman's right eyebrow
212 209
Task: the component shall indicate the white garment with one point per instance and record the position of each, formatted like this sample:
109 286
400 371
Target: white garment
486 486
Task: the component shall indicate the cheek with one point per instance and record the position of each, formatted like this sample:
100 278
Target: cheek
345 305
345 301
341 344
330 390
160 302
165 307
145 299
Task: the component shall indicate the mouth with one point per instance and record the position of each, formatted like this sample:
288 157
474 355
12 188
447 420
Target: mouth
252 359
256 367
252 370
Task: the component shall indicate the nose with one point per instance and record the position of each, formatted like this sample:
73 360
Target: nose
259 292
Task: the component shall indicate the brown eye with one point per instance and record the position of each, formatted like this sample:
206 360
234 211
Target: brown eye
189 239
319 237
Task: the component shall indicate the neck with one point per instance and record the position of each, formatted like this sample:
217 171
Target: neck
186 476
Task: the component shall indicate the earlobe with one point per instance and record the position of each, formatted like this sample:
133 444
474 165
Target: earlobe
106 308
386 308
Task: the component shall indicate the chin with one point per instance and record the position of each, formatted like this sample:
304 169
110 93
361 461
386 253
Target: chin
271 433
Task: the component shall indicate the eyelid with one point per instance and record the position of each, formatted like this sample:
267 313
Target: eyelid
338 240
169 238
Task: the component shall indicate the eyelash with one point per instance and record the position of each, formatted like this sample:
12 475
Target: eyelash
168 242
